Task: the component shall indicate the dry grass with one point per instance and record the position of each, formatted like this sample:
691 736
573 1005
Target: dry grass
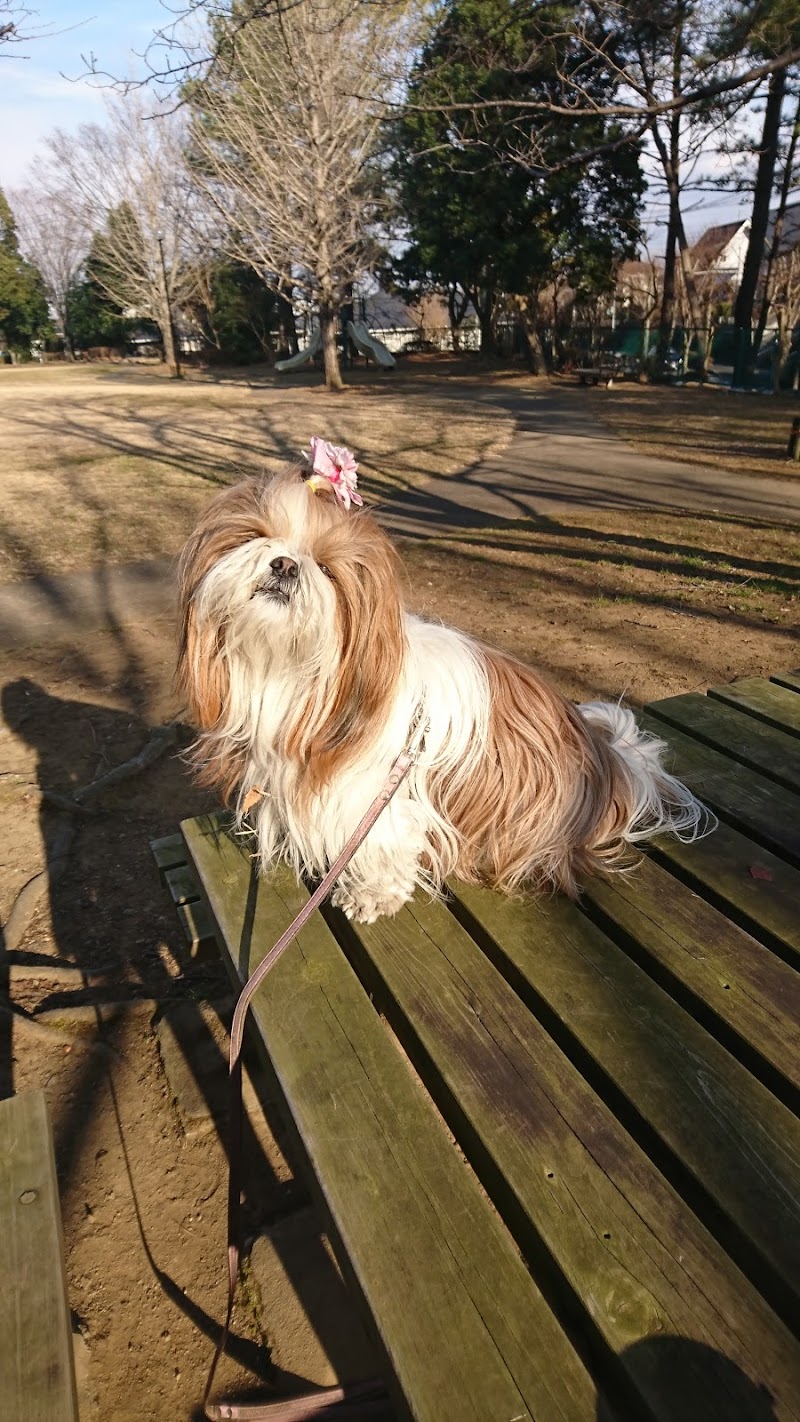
108 464
744 432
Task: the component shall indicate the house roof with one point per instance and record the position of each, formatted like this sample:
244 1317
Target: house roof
790 232
712 243
385 312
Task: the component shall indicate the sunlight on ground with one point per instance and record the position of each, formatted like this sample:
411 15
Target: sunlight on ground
111 464
744 432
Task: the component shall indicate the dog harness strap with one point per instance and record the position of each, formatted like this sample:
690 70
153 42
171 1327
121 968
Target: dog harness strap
336 1403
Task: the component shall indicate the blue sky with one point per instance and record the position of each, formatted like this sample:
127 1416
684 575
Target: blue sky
44 90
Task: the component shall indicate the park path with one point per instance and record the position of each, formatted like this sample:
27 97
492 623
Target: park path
560 460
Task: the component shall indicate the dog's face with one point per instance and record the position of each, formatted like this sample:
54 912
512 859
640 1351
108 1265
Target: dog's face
289 582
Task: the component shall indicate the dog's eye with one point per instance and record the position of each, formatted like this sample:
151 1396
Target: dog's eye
323 567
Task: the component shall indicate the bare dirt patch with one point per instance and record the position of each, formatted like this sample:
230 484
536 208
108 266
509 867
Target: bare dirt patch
114 463
708 425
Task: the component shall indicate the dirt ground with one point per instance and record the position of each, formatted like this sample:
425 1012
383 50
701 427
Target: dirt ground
641 604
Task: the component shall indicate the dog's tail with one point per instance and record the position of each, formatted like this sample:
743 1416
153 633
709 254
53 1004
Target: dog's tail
660 803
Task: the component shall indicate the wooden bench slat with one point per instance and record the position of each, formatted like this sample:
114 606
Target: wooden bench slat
465 1328
767 701
754 993
719 1121
37 1371
743 738
181 883
766 812
168 851
760 890
791 680
558 1163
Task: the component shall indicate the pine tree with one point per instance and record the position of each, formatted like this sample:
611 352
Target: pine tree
23 305
477 217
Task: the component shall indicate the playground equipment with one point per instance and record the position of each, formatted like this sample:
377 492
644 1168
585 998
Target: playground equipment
296 362
369 345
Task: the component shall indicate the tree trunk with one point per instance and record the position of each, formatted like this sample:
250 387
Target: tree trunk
744 356
530 331
782 344
168 344
165 325
330 353
777 232
456 310
287 329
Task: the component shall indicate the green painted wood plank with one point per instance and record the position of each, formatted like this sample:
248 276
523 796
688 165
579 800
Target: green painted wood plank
198 926
746 988
559 1166
749 741
181 883
791 680
767 813
763 699
168 851
465 1328
37 1379
759 890
739 1143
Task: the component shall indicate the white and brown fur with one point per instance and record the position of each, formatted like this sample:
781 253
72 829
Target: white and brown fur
304 675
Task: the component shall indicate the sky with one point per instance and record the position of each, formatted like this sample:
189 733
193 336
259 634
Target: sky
40 81
41 87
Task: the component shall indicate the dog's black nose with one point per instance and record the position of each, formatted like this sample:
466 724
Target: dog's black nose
284 567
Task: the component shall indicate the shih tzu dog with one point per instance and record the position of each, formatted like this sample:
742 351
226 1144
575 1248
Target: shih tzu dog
305 677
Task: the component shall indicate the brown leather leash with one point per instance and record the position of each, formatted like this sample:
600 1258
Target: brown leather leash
352 1400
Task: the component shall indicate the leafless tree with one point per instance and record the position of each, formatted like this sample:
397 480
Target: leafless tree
56 239
784 301
15 21
283 149
126 181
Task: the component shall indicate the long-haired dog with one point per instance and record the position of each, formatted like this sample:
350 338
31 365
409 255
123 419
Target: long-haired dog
305 675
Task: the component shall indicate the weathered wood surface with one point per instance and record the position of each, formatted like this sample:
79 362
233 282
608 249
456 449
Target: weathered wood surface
37 1382
463 1325
765 700
617 1208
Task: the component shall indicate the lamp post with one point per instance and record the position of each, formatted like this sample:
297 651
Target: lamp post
168 330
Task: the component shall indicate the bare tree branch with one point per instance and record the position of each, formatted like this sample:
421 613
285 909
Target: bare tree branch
282 148
127 183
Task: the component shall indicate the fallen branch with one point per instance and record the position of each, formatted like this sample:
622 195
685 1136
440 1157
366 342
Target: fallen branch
161 738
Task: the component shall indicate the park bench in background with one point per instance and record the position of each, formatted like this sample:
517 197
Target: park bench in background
37 1380
582 1204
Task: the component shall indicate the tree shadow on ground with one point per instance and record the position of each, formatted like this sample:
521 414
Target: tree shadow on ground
106 927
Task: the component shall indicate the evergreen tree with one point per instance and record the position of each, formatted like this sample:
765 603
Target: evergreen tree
478 218
23 304
241 315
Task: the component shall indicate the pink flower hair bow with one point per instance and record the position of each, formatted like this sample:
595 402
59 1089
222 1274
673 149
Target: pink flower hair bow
335 466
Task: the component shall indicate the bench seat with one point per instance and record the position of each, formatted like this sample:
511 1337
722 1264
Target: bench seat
557 1146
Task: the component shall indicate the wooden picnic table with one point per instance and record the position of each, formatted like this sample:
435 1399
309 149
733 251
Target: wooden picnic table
557 1145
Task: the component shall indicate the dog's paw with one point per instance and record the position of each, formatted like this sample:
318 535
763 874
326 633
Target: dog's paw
363 906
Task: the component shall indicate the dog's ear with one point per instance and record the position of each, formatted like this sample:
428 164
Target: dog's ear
330 733
202 675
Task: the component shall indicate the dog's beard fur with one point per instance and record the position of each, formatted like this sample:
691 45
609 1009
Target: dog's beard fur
304 676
